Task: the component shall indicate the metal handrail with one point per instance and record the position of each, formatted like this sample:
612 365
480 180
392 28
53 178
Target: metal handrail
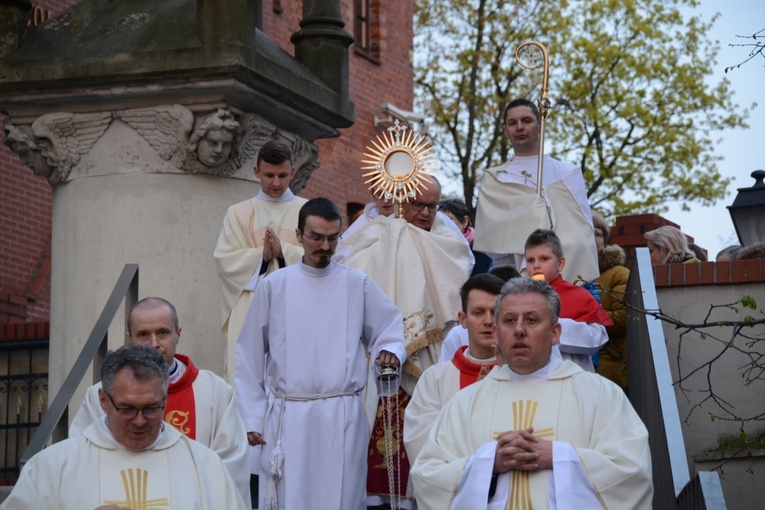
653 396
56 419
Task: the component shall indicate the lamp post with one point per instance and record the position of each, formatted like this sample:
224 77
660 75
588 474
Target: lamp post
748 211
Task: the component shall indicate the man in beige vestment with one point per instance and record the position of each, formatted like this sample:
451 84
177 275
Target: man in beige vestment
538 432
509 209
258 237
129 458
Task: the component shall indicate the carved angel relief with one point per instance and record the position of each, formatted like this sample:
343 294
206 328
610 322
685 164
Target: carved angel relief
54 143
220 145
257 131
165 128
168 129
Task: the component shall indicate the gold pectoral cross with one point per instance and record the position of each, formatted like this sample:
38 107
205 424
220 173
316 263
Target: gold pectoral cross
524 412
135 492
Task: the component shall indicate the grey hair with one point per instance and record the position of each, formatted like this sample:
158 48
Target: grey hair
517 286
145 363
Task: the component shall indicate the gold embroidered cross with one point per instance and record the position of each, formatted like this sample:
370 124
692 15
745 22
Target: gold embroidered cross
524 412
135 492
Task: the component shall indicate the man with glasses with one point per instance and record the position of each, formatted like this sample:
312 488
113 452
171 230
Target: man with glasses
419 261
507 211
129 458
301 369
199 403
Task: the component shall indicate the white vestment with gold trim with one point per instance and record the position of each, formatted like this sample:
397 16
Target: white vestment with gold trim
239 256
600 449
218 425
89 470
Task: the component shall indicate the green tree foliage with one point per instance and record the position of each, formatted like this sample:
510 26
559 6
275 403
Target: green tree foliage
628 81
466 72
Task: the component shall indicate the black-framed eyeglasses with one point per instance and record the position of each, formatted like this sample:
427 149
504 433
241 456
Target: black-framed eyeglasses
317 239
149 412
418 206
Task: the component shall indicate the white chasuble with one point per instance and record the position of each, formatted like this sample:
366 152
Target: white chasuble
599 443
239 256
88 471
421 272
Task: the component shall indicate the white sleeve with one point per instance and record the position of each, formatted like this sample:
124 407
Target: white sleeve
581 337
473 486
228 437
89 411
250 365
569 487
455 338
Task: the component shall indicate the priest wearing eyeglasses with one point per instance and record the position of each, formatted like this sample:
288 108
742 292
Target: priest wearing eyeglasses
419 261
129 458
199 403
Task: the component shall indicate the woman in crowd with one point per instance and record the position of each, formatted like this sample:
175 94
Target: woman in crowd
668 245
612 283
456 209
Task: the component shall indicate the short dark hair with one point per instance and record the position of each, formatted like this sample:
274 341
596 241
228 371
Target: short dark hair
145 362
455 206
521 101
504 272
729 251
485 282
151 303
526 285
542 237
275 153
321 207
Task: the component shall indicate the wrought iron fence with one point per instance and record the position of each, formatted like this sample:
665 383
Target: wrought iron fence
23 400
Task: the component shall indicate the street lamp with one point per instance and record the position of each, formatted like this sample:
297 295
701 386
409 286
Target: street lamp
748 211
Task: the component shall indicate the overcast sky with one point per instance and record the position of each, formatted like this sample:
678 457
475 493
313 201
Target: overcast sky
743 149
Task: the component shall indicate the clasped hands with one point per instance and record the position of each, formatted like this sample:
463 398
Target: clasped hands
272 247
521 450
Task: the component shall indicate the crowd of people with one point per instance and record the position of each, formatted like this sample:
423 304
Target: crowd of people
399 362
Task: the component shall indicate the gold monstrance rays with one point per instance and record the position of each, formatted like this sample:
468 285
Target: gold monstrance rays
399 163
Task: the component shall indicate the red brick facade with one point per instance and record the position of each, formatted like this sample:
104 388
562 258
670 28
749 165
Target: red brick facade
26 200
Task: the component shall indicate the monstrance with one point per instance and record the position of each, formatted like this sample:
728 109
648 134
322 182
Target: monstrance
400 163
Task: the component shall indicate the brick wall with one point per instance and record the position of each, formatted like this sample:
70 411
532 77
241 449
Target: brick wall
24 332
25 230
710 273
26 199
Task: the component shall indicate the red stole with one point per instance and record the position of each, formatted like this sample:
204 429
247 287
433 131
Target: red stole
468 370
180 411
578 304
377 464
